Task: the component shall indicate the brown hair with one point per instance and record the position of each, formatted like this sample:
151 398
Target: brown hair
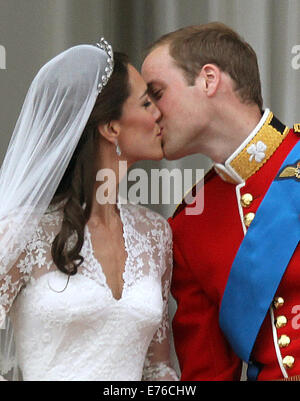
194 46
77 184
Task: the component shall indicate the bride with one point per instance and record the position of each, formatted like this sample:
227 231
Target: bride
84 277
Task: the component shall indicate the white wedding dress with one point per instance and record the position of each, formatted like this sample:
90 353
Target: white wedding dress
76 329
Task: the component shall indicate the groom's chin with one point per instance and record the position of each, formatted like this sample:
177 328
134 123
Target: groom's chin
168 157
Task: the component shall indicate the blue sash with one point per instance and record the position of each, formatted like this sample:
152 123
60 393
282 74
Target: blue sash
261 261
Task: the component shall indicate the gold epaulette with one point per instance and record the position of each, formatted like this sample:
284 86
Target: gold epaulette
297 128
269 136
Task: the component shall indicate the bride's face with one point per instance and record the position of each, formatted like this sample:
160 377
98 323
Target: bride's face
140 136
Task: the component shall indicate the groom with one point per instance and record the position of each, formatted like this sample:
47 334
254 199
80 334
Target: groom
236 274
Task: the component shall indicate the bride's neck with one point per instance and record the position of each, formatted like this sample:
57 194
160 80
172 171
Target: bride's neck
110 171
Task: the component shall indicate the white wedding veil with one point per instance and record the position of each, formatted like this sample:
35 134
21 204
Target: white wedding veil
53 117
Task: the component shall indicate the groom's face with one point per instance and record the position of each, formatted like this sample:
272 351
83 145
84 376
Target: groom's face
176 100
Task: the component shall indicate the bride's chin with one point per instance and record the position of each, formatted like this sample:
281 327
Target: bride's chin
161 156
155 157
158 157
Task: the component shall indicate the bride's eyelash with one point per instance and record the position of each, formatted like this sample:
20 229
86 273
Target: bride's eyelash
147 103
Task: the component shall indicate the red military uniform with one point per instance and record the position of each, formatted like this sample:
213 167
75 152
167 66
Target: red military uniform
205 246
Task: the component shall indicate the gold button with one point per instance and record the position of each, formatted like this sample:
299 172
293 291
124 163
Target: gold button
280 321
278 302
288 361
283 341
246 200
248 219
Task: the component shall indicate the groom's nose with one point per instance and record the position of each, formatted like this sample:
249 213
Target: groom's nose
156 113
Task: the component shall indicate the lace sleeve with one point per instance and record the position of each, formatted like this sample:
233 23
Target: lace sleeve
15 271
157 364
34 255
10 285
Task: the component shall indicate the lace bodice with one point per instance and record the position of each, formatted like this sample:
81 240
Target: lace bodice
76 329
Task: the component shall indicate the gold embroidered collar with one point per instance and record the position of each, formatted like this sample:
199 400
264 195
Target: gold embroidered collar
253 153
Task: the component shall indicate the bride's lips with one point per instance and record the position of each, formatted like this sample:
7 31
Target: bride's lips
160 132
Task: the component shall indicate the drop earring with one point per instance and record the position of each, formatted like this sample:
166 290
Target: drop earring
118 150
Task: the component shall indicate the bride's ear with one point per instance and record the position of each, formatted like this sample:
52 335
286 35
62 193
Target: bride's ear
110 131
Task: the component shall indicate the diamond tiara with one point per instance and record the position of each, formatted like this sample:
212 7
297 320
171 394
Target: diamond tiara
104 45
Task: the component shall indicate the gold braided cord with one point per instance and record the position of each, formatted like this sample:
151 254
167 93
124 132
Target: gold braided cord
271 137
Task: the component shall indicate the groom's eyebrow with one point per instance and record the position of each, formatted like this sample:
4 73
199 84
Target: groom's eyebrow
154 84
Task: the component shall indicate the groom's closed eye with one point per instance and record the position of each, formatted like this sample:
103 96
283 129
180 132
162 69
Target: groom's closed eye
156 94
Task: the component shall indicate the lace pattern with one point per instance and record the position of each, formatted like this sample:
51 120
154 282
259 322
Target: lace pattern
73 326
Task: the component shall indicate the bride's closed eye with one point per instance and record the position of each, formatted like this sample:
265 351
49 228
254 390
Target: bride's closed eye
147 103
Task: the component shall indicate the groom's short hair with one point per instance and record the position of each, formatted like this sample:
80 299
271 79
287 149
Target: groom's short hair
194 46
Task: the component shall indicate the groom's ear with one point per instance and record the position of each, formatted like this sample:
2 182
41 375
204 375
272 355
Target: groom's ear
208 79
